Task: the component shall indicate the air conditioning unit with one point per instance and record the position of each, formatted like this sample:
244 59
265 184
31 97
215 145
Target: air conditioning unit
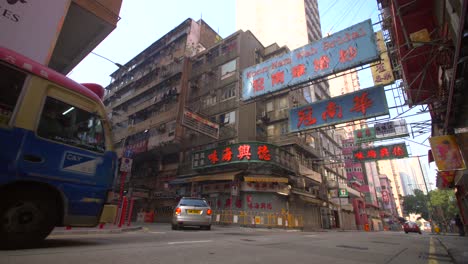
265 117
162 128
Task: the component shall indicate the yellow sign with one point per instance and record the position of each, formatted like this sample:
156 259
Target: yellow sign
447 153
382 71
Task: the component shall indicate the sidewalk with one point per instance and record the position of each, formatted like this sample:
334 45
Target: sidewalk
456 246
107 229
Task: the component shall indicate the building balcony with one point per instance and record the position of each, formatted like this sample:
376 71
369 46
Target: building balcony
332 184
160 118
292 139
199 68
276 115
309 173
172 70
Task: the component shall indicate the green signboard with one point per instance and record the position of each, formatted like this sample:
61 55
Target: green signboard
243 152
343 193
364 135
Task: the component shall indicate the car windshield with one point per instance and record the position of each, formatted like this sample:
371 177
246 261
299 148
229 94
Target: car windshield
193 202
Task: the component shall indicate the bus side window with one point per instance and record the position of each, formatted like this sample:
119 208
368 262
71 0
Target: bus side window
11 83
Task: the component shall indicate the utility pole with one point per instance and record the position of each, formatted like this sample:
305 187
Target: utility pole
429 209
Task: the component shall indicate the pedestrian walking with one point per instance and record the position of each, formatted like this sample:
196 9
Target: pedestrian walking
459 223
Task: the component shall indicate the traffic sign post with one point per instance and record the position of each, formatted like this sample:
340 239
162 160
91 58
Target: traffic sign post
126 165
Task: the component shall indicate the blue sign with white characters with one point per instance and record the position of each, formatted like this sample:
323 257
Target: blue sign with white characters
79 163
363 104
351 47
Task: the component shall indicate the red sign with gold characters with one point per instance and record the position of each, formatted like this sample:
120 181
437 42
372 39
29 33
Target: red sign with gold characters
395 151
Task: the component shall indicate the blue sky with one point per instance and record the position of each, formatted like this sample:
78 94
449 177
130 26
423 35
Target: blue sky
145 21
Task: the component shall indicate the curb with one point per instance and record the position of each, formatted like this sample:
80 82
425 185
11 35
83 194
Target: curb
449 251
97 231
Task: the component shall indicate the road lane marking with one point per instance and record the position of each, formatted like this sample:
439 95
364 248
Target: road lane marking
310 235
432 251
189 242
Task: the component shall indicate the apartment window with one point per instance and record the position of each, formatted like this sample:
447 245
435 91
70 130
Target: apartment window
269 106
228 69
171 128
310 140
228 118
270 130
283 103
229 92
284 128
209 101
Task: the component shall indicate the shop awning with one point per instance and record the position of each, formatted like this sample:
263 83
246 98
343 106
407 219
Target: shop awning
266 179
307 197
228 176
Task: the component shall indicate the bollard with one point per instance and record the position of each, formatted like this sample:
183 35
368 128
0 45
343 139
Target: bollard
123 211
101 225
132 201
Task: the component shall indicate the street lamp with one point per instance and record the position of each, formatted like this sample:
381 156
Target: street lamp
429 211
113 62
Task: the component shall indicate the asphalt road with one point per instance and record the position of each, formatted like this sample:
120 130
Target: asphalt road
158 244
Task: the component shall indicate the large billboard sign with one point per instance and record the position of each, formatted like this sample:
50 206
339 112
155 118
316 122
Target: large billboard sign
447 154
362 104
395 151
351 47
32 27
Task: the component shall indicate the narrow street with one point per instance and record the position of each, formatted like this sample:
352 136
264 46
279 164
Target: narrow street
159 244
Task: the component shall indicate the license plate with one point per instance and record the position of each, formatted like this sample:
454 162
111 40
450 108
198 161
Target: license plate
193 211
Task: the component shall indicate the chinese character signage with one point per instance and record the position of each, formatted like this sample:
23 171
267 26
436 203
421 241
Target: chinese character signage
382 71
364 135
343 50
447 153
200 124
138 147
395 151
240 152
391 129
363 104
387 130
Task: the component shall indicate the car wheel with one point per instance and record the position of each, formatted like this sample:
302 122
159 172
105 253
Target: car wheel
406 232
208 227
174 227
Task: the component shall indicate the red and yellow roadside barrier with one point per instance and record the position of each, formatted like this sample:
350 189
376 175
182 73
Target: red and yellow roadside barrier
258 219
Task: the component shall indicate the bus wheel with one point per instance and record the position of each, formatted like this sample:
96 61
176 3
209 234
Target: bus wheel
26 218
